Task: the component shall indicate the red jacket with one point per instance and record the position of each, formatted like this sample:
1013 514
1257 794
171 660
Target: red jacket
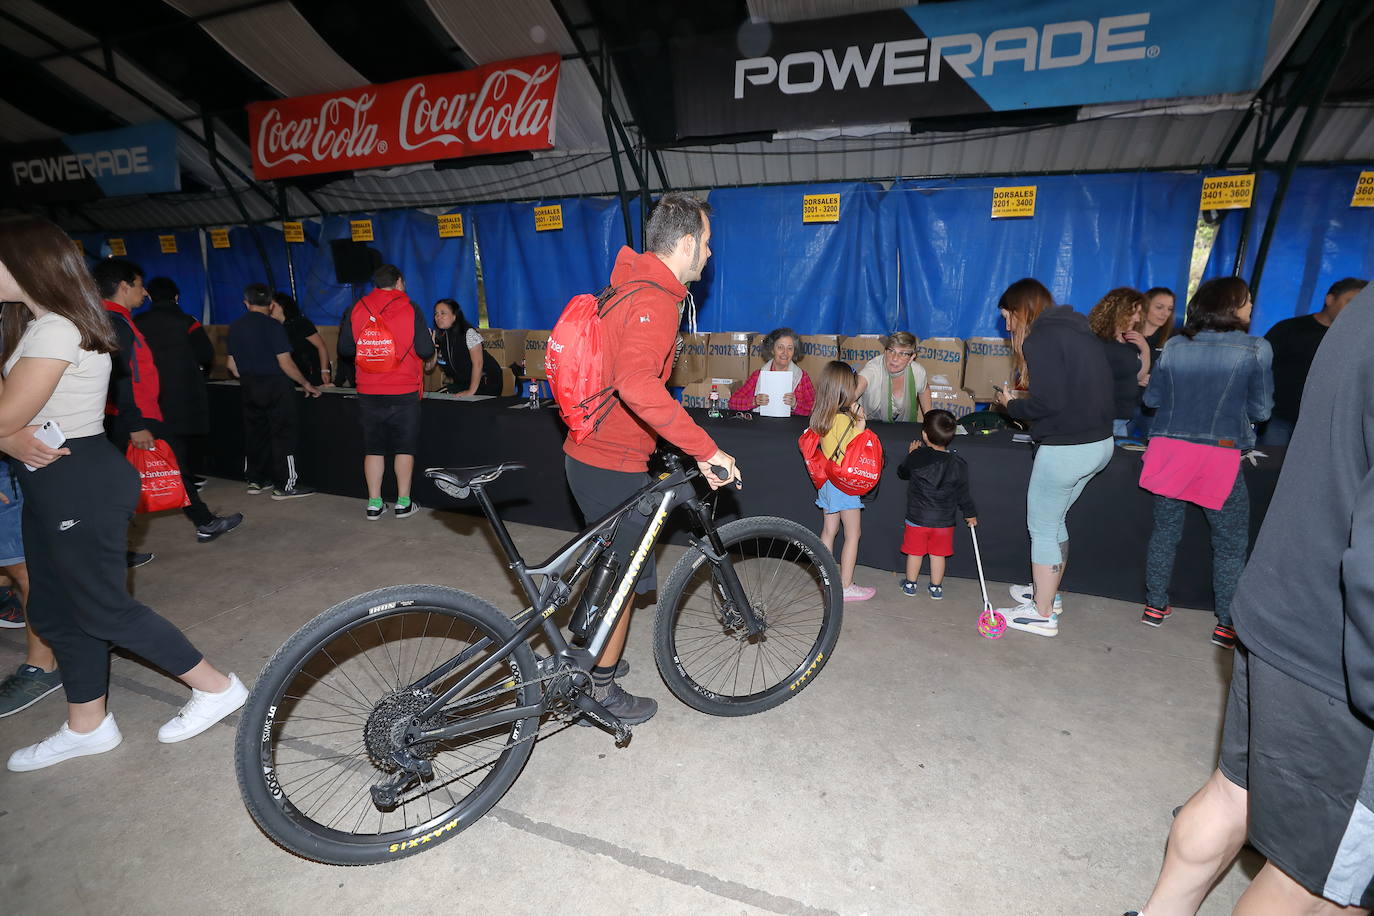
141 378
639 336
394 309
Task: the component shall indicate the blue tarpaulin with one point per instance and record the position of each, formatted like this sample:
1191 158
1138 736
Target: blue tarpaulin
185 267
1319 239
231 269
1090 233
530 275
770 269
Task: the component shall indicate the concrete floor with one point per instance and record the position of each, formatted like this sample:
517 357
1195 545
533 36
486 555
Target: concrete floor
926 771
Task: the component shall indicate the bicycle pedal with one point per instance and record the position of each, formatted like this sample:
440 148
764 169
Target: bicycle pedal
600 715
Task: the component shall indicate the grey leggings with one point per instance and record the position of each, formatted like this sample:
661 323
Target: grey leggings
1230 538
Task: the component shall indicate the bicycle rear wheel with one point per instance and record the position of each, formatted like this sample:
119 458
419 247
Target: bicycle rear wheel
327 710
708 660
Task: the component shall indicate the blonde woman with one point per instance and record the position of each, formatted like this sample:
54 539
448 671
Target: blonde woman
892 386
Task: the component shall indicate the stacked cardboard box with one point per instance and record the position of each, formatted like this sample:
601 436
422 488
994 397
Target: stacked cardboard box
691 361
727 358
944 394
858 351
219 338
816 351
989 363
942 356
536 343
698 394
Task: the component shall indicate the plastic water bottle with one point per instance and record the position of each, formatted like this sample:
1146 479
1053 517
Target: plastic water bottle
533 402
714 409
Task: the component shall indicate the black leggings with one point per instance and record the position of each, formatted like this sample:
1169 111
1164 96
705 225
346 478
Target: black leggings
76 525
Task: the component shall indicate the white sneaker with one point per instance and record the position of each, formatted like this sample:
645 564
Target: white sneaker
204 710
1026 617
65 745
1025 594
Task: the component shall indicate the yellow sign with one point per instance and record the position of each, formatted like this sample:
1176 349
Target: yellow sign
451 226
546 218
1364 191
117 247
168 244
219 238
1227 192
293 231
80 249
1012 202
820 208
360 230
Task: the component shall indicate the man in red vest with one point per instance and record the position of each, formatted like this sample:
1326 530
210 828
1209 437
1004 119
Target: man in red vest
132 414
387 337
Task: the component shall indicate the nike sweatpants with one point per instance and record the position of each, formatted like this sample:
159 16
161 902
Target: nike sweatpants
76 527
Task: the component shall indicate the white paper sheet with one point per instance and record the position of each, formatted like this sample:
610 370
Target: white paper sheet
775 385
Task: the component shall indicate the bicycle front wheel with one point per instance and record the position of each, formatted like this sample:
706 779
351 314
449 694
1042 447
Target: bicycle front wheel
791 581
333 703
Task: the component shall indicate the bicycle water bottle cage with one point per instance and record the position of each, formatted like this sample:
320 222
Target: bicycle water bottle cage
458 482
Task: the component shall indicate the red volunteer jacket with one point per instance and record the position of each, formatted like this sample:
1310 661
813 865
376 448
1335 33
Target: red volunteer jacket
142 374
640 334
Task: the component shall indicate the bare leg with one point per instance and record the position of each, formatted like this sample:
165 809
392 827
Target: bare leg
849 554
937 570
204 677
84 718
405 469
37 652
373 468
615 643
830 526
913 567
1045 578
1273 893
1204 840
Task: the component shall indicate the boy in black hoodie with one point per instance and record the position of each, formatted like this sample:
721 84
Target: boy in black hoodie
937 485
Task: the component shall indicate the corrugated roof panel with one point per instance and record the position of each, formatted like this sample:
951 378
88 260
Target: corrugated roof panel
18 127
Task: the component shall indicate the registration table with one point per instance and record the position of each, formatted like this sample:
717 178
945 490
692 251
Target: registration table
1109 525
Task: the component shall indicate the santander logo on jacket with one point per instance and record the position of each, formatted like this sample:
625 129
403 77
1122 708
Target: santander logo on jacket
382 325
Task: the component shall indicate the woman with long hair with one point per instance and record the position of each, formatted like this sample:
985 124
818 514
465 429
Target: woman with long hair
308 351
1156 322
468 367
55 355
1068 403
1212 383
1113 320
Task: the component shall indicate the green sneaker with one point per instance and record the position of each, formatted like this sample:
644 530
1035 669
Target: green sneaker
25 687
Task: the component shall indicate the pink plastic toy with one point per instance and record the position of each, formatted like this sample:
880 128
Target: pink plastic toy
991 624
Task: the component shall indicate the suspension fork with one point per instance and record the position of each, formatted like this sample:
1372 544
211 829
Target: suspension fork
714 551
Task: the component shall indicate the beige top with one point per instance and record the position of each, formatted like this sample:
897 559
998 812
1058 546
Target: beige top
879 398
78 403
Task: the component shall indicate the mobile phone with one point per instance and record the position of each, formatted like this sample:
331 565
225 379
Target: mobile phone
51 435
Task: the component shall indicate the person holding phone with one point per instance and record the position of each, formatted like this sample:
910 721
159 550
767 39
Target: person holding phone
55 352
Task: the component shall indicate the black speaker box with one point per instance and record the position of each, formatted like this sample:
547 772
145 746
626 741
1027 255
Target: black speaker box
354 262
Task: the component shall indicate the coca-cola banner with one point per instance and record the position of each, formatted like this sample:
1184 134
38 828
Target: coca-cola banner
496 108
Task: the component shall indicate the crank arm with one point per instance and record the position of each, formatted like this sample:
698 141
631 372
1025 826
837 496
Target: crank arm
603 717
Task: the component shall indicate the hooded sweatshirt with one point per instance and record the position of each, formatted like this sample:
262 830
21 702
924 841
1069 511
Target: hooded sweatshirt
639 334
1070 399
408 329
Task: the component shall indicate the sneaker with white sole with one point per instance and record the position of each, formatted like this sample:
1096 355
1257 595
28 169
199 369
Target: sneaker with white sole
1026 617
858 592
66 744
1025 594
203 711
26 686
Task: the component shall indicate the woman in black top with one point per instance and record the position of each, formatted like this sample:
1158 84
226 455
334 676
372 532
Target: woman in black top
1128 353
307 347
468 368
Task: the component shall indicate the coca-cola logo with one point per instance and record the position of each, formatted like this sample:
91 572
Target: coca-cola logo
496 108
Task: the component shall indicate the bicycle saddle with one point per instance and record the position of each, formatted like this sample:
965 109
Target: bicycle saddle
460 480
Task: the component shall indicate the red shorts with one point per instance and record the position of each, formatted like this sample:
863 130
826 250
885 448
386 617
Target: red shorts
936 542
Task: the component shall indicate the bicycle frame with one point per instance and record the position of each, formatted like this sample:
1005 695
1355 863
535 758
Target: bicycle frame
670 490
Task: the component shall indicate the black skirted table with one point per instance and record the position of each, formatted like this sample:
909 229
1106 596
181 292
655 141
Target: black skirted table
1109 525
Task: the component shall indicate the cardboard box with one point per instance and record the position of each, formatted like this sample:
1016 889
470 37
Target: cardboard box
727 355
434 379
691 361
505 346
219 337
816 350
945 395
698 394
988 362
507 382
329 333
942 356
536 342
857 351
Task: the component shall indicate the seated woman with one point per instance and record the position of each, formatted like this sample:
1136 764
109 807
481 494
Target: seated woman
468 369
892 387
307 347
1128 353
1156 323
781 344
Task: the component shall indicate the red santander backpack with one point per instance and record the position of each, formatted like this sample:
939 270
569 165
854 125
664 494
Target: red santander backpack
376 346
856 472
576 359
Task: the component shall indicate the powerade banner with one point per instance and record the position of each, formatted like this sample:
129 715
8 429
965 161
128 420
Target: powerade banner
965 58
109 163
497 108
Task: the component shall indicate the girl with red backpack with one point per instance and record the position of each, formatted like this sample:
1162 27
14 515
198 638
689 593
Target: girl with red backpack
845 461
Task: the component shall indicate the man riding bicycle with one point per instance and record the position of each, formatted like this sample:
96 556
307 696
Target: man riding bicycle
640 335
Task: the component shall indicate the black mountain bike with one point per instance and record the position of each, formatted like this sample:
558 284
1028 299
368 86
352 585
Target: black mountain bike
397 718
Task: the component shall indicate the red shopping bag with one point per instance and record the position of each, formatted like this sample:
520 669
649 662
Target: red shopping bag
160 476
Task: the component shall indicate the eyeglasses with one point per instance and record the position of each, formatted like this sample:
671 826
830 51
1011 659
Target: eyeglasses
904 354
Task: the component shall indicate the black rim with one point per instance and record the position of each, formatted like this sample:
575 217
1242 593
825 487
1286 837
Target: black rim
320 752
787 587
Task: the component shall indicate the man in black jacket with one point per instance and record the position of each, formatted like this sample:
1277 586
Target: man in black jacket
134 414
182 352
1296 774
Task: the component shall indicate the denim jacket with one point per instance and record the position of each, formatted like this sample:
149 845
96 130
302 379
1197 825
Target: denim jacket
1211 388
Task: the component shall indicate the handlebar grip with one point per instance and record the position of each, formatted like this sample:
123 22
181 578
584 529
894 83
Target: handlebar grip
723 474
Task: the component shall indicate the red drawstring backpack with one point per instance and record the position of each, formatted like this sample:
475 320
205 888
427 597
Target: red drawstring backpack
160 478
376 346
856 472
